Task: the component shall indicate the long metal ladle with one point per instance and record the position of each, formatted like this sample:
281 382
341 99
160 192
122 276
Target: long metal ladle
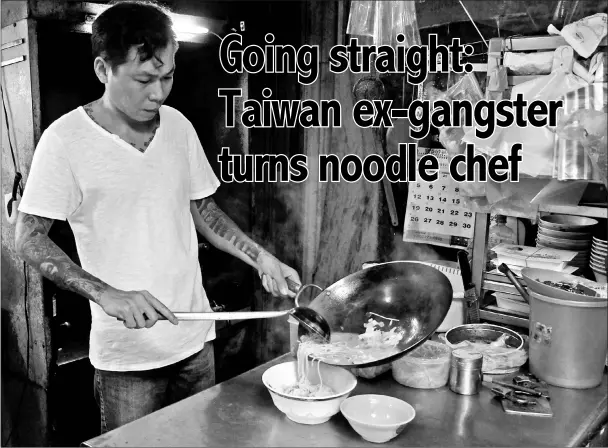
309 318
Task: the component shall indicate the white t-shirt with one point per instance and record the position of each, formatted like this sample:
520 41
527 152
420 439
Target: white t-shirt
130 214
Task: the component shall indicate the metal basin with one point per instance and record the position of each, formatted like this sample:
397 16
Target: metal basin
416 295
486 333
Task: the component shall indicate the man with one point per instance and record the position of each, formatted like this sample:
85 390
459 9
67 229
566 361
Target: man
131 177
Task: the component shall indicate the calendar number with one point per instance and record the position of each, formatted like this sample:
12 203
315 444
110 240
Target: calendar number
439 222
440 210
414 219
428 209
454 212
468 214
417 196
443 199
415 207
453 224
456 201
430 198
466 226
428 220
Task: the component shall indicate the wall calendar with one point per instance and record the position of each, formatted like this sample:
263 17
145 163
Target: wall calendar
435 212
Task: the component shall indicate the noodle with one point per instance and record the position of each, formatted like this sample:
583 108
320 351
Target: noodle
303 387
349 348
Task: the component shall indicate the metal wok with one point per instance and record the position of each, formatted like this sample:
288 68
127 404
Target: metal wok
417 295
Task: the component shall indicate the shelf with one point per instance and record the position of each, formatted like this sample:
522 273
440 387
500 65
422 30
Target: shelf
507 312
502 318
500 278
590 212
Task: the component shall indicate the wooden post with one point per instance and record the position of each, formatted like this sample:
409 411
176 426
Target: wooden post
26 318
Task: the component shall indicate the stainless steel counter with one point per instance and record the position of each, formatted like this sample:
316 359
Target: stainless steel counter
240 412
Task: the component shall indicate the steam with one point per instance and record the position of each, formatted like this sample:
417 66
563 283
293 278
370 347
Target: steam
407 251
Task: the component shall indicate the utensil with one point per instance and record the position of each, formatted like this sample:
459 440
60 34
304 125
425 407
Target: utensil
372 88
525 390
505 270
416 296
568 223
470 294
312 321
542 230
508 394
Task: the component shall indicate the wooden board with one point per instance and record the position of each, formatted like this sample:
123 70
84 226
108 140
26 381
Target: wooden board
20 87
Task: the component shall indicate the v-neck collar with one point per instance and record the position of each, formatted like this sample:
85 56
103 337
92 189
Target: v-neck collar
118 139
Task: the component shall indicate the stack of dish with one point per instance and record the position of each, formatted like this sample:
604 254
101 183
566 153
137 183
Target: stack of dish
599 259
567 232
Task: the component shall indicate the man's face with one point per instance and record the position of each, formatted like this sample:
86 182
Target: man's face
137 88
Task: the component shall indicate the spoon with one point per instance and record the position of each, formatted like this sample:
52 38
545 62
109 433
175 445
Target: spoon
505 270
312 321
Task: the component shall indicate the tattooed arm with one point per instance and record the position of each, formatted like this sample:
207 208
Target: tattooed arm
137 309
224 234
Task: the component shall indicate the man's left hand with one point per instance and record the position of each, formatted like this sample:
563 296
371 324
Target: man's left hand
273 274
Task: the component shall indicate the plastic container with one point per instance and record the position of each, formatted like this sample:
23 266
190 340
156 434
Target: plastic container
568 340
501 233
426 367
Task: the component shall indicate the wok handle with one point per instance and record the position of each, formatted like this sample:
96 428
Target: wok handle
293 286
505 270
229 315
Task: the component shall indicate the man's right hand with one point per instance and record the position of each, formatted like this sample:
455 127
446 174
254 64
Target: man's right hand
136 309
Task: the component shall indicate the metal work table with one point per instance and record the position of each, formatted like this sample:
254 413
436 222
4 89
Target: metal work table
240 412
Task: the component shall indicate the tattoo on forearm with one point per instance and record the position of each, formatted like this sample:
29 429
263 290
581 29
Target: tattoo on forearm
223 226
38 250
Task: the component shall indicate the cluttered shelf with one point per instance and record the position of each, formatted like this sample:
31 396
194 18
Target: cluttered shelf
562 166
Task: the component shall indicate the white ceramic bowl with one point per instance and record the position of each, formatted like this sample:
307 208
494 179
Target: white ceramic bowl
377 418
305 410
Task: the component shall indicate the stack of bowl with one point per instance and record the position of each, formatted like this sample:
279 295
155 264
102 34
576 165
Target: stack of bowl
599 259
567 232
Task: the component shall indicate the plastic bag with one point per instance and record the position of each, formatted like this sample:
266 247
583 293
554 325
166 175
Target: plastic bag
396 17
384 21
537 143
581 140
361 18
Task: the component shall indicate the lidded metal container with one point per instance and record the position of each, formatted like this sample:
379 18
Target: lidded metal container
465 372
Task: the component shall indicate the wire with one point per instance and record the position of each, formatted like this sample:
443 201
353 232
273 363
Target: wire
473 22
10 142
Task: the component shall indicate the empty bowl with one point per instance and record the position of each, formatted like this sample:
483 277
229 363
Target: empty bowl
377 418
567 223
560 234
308 410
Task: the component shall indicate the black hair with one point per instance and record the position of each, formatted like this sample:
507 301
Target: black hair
129 23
